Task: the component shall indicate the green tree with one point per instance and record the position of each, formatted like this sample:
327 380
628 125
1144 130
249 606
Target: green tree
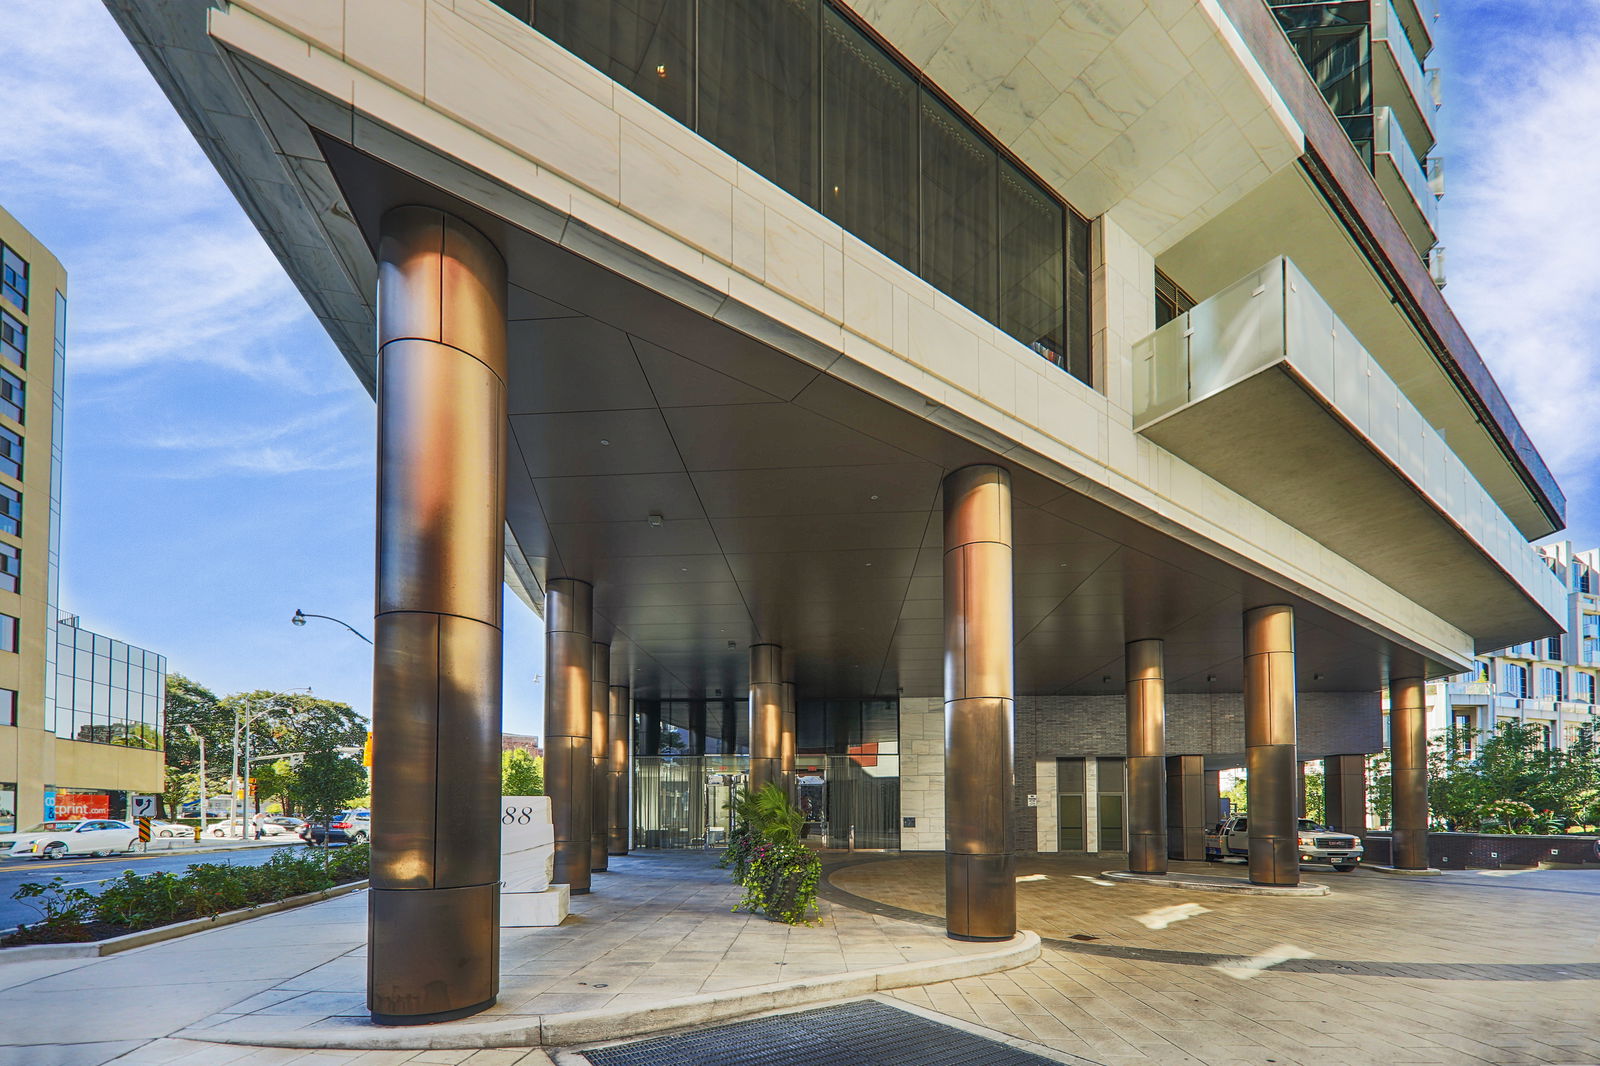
273 782
1238 796
194 709
283 722
521 774
325 781
1316 803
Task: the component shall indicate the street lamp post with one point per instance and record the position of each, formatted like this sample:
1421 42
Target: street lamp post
300 617
199 736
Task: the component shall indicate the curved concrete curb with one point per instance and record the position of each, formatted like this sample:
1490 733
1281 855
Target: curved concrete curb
581 1027
1203 883
113 945
1398 872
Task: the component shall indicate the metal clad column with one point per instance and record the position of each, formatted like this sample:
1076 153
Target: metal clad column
787 748
619 767
1345 793
1186 827
1408 745
766 715
599 732
568 759
1269 740
979 696
1147 758
433 916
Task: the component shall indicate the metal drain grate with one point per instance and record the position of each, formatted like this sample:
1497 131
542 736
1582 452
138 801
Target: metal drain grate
864 1033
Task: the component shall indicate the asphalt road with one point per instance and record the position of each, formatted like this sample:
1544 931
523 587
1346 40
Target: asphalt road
91 873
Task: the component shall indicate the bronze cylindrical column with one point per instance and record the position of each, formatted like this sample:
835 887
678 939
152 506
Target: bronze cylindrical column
568 756
1344 793
1186 826
1147 758
1408 746
786 748
599 744
619 768
1269 740
433 912
979 698
766 715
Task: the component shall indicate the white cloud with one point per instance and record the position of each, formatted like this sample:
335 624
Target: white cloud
1524 216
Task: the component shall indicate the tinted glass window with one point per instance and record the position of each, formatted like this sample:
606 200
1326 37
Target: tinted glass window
14 278
959 176
1032 268
10 568
869 142
10 453
8 633
13 340
13 395
10 511
642 44
758 100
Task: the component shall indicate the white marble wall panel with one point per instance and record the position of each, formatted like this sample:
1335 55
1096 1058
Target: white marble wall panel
1044 776
922 773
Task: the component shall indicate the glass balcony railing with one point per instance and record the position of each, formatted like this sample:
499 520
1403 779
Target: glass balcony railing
1273 317
1389 140
1389 37
1418 17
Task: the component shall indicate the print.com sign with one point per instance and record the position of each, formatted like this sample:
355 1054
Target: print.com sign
72 806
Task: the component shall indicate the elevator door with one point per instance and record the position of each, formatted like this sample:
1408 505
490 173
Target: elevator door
1069 822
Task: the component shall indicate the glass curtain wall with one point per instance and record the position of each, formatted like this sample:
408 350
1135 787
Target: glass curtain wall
690 757
108 692
797 91
855 747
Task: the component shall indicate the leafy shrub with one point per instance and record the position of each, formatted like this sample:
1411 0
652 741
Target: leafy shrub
779 874
782 881
144 901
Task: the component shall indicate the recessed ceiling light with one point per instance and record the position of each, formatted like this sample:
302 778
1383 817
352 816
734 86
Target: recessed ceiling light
655 520
605 442
874 496
869 564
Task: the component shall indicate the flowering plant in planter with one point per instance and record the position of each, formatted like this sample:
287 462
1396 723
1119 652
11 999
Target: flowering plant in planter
779 874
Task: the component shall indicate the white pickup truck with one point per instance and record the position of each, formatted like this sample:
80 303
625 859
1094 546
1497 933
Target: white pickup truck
1230 839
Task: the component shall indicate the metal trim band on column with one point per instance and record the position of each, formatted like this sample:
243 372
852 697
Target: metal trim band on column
568 758
1147 758
1408 745
1270 745
786 749
433 916
766 715
1345 793
979 705
599 744
618 771
1186 821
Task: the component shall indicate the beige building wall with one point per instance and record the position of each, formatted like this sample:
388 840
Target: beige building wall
32 757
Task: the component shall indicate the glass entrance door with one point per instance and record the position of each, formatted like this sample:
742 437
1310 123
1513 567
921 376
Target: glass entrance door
1069 822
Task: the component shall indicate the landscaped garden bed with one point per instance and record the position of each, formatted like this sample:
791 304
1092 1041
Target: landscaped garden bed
134 902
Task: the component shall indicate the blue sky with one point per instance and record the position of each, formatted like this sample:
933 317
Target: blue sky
218 466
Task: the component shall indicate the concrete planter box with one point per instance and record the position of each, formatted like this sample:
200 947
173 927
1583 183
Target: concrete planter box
1492 851
113 945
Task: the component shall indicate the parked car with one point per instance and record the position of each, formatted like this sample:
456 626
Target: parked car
236 828
8 839
160 828
1230 838
289 822
94 837
351 827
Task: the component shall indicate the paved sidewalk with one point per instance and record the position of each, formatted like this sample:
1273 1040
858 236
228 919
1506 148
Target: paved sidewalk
1472 967
658 928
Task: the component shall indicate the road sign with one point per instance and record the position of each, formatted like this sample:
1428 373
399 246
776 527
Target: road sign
144 830
142 806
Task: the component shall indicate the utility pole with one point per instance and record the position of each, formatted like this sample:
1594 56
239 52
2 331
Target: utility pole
202 740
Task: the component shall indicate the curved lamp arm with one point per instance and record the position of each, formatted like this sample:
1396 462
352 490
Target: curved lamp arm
300 617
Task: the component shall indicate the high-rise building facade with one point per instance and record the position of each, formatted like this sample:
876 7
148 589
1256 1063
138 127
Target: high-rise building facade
43 755
986 421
